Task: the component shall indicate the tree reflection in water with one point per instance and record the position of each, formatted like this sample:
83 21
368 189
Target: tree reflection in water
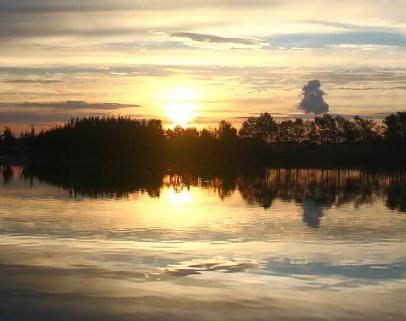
313 189
318 189
7 172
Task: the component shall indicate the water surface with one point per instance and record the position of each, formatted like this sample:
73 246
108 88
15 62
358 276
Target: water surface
130 244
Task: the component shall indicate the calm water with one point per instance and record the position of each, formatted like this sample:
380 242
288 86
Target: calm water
124 244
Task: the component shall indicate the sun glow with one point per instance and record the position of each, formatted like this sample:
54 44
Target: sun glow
180 106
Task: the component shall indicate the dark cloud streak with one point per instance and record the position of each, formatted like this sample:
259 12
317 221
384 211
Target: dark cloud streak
31 81
66 105
55 112
199 37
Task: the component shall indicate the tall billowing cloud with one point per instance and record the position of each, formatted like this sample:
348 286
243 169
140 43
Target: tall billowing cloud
313 99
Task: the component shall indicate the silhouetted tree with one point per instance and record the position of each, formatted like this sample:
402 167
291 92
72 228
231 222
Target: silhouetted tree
311 134
226 131
366 130
328 130
262 128
286 132
27 137
207 134
396 128
298 131
111 138
8 137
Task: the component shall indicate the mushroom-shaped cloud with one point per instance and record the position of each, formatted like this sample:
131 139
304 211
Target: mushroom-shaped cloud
313 98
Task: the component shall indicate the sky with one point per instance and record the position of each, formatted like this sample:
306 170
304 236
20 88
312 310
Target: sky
194 63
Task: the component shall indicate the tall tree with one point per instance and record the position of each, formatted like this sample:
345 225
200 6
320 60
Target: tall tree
262 128
226 131
396 128
8 137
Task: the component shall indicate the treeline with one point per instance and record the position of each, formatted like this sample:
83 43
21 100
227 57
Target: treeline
260 139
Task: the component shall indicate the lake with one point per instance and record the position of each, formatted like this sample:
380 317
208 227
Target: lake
95 243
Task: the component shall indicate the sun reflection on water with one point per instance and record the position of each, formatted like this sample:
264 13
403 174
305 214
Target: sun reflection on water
179 197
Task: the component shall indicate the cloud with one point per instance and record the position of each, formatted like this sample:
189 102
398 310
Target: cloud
26 118
352 26
13 32
128 70
371 88
28 19
31 81
35 117
361 76
313 99
287 115
55 112
58 6
200 37
322 40
66 105
136 70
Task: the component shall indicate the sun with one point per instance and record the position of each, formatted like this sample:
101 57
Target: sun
180 106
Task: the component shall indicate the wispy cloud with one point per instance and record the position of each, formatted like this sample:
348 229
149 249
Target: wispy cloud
284 116
55 112
31 81
322 40
34 117
352 26
13 32
66 105
199 37
46 119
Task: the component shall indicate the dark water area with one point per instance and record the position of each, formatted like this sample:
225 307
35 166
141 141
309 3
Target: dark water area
124 243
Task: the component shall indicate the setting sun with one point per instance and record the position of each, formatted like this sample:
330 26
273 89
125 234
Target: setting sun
180 105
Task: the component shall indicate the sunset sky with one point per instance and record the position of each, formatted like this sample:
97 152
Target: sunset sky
197 62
